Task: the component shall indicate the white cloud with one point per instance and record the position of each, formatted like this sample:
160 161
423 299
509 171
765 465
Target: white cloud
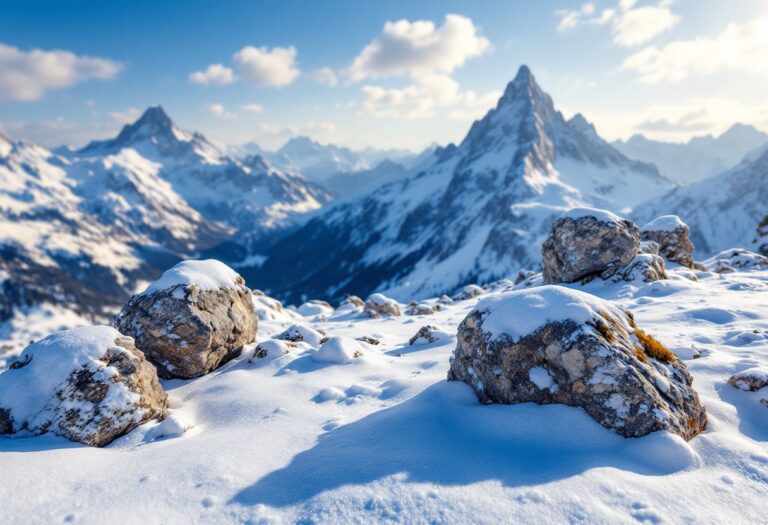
219 111
739 47
26 76
420 99
125 117
214 74
324 75
252 108
419 48
631 25
267 67
270 136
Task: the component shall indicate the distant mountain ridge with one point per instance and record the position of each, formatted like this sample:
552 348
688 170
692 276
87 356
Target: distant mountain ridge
701 157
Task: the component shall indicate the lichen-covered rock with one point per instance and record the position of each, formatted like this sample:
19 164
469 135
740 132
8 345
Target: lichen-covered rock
750 380
735 259
470 291
87 384
379 305
301 332
644 266
585 243
552 344
672 236
195 318
416 308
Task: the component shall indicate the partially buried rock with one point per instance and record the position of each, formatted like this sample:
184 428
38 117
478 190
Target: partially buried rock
736 259
469 291
338 350
644 266
416 308
88 384
192 320
585 243
751 380
301 332
427 334
353 300
379 305
314 308
672 236
552 344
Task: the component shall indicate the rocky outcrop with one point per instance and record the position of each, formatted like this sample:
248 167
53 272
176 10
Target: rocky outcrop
585 243
88 384
551 344
379 305
195 318
672 237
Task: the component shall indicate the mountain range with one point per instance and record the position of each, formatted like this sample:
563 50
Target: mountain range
701 157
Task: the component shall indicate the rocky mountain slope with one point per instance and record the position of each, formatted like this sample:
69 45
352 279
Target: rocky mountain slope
473 212
698 159
722 212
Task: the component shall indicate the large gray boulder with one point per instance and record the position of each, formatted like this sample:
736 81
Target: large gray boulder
585 243
551 344
672 236
88 384
195 318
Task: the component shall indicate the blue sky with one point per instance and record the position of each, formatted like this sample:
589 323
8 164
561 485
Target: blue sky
387 74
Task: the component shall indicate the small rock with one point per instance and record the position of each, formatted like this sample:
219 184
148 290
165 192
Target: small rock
353 300
272 348
415 308
379 305
470 291
750 380
338 350
426 334
301 332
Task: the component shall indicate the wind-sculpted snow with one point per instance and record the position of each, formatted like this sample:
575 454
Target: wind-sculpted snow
474 212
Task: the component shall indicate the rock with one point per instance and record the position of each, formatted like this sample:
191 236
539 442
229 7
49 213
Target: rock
522 275
649 247
353 300
470 291
644 266
584 243
195 318
672 237
735 259
751 380
762 237
444 299
427 334
369 340
338 350
87 384
415 308
302 332
314 308
272 348
552 344
379 305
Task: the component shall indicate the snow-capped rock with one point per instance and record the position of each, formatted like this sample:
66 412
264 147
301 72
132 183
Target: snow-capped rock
734 260
301 332
752 379
338 350
586 242
87 384
475 212
195 318
378 305
469 291
552 344
671 236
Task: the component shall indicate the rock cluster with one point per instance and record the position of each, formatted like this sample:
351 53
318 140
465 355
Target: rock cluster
551 344
188 326
88 384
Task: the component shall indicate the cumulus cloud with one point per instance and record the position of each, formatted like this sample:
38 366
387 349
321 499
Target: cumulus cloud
632 25
267 66
419 48
252 108
26 76
324 75
214 74
219 111
420 99
739 47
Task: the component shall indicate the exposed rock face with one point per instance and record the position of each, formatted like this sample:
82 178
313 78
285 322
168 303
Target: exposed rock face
555 345
189 329
750 380
88 384
735 259
672 236
379 305
584 243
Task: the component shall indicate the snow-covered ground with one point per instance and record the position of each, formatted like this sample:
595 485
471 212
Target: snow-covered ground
384 438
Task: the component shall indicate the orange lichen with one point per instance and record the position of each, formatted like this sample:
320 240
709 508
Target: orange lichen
653 348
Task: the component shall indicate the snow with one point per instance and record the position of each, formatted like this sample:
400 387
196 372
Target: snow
600 215
665 223
540 377
338 350
522 312
386 439
28 391
206 275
